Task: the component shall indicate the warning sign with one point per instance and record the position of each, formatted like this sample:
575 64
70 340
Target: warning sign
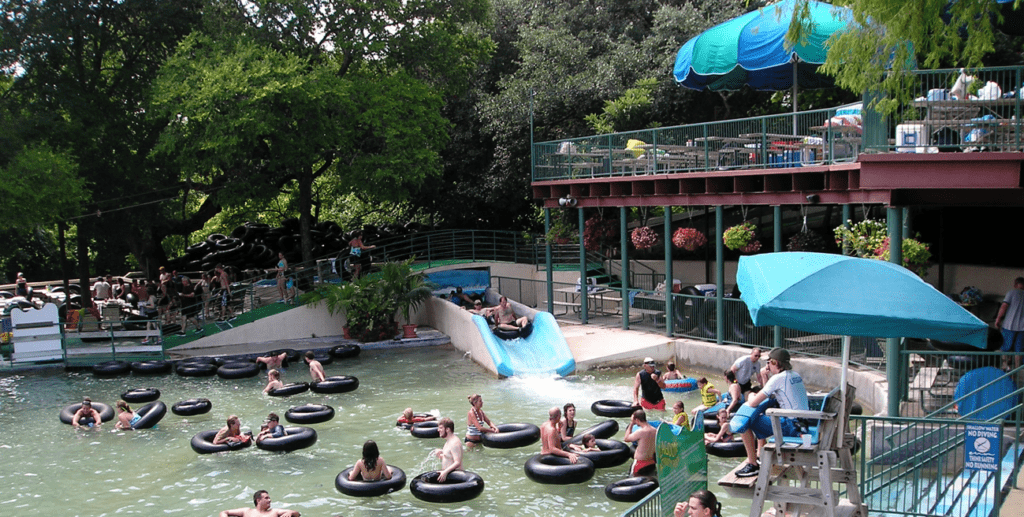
981 446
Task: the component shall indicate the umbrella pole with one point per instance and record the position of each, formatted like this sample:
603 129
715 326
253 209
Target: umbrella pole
794 98
847 342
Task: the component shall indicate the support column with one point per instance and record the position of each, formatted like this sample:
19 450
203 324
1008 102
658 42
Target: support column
548 262
624 254
719 267
777 226
669 314
583 272
895 364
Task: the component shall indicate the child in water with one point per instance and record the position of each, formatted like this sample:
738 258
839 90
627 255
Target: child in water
589 444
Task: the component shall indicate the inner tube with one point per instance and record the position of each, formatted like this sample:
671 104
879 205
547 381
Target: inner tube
680 385
425 430
631 489
149 415
151 367
523 332
294 438
345 351
111 368
196 369
238 370
612 454
458 486
202 443
603 430
727 449
292 388
335 384
613 408
360 488
309 414
325 358
192 407
557 470
68 413
141 395
511 436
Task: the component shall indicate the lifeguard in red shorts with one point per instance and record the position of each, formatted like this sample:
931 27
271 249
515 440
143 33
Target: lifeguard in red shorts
647 387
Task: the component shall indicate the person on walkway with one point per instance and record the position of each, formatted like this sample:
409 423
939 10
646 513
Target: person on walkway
787 388
643 434
357 253
371 467
550 436
746 367
477 422
224 285
21 287
451 453
191 305
702 503
101 289
261 503
316 370
1010 321
273 380
282 268
647 387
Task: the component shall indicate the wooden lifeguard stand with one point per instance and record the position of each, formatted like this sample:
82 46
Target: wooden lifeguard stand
800 478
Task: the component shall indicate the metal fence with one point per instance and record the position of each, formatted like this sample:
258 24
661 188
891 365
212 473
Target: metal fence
950 110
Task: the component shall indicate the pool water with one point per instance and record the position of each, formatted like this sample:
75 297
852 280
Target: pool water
51 468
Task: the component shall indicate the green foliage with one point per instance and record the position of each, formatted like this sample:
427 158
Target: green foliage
562 231
739 236
627 112
371 302
40 186
870 239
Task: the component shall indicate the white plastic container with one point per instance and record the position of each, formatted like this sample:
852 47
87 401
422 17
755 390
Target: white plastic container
910 138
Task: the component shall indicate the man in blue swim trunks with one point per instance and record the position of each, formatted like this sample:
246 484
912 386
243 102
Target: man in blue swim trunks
787 387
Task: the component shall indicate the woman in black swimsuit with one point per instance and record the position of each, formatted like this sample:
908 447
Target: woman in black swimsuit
568 427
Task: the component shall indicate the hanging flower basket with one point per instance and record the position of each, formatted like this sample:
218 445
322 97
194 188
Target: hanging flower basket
597 233
807 241
690 239
741 236
644 238
753 247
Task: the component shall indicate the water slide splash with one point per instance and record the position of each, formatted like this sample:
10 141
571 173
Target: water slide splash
544 351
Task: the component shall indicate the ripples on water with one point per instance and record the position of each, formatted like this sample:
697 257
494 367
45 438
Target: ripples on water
49 468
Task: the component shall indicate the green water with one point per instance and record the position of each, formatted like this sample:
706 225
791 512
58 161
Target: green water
51 469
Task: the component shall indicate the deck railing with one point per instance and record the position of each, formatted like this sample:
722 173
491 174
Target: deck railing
951 110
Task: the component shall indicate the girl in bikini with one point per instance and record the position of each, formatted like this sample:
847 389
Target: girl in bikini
477 422
568 421
371 467
125 416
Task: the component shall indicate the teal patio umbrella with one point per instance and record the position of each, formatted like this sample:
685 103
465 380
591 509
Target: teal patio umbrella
849 296
752 50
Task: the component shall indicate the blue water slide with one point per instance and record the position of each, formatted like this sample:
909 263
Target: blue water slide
543 351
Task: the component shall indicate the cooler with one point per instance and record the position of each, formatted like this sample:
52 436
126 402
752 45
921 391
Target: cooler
910 138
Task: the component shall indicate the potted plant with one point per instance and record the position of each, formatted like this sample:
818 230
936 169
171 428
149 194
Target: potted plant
690 239
742 237
644 237
870 239
807 240
597 233
561 232
371 302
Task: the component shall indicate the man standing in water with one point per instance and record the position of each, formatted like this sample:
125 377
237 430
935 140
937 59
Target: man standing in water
551 438
647 387
316 370
451 454
261 501
643 459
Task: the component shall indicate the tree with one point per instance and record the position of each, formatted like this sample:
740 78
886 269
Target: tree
283 92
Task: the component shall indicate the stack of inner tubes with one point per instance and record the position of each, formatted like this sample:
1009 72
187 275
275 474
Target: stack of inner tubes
197 367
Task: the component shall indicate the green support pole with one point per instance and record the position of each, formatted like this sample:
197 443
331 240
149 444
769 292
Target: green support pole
847 216
719 263
777 226
895 364
548 262
624 253
583 272
669 320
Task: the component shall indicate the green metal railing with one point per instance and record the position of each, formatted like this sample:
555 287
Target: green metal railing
984 115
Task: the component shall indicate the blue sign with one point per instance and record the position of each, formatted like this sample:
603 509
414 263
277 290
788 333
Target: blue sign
982 446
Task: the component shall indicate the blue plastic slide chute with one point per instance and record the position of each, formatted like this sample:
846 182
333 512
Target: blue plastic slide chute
543 351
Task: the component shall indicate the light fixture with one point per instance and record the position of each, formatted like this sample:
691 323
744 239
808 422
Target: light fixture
813 199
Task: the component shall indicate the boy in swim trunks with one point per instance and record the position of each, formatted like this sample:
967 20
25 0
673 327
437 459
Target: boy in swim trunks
643 435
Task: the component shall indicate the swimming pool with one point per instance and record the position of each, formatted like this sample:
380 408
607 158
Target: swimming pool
50 468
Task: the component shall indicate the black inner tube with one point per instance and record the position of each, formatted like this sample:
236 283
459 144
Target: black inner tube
558 470
192 407
360 488
458 486
309 414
